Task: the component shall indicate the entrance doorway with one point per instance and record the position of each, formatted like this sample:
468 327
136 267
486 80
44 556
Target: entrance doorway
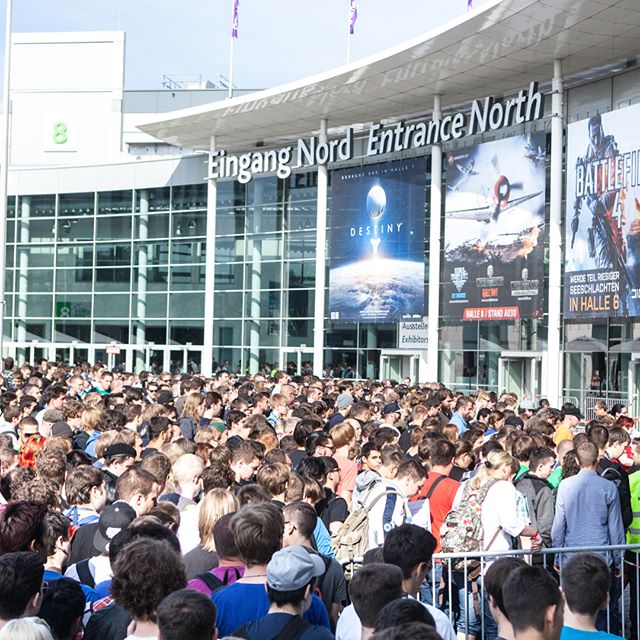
521 373
296 360
396 364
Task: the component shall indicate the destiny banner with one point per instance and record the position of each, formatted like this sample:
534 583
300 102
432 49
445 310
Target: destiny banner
377 242
495 230
602 244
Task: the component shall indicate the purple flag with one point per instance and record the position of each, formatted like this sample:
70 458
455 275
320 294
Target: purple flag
353 16
234 22
469 4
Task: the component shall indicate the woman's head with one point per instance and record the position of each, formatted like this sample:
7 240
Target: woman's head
215 504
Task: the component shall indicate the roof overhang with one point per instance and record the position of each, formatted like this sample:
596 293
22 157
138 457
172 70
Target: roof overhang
494 50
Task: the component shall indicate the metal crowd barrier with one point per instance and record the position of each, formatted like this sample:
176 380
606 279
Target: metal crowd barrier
551 559
628 582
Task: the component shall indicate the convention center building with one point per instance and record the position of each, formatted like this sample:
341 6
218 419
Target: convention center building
464 207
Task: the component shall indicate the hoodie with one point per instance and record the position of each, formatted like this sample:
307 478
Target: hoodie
364 483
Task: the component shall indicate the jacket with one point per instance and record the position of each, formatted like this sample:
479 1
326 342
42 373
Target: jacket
540 502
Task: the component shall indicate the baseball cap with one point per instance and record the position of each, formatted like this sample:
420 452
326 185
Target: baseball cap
165 397
120 449
392 407
529 405
113 519
573 411
292 568
343 401
61 429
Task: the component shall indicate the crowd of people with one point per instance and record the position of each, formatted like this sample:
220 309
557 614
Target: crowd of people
180 507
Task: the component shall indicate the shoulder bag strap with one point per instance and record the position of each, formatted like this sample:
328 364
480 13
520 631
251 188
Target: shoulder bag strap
432 488
293 629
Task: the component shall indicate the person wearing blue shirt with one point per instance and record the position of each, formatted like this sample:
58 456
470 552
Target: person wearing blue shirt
464 412
586 580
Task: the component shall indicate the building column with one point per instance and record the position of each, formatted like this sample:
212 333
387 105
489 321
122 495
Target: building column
552 387
321 260
254 251
206 366
435 224
141 295
24 234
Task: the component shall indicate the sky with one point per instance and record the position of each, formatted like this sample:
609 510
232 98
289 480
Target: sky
279 40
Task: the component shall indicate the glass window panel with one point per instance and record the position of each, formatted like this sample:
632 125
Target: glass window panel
73 306
11 231
74 229
230 193
74 204
40 329
263 190
8 279
111 305
301 246
70 330
227 333
73 279
300 303
156 252
156 332
114 227
38 206
186 305
157 225
228 305
74 255
36 256
300 275
267 247
109 255
299 332
8 304
39 306
262 304
301 215
158 199
230 221
155 305
229 276
10 256
40 280
188 251
230 249
115 202
185 331
264 218
190 224
188 277
40 231
11 206
113 280
266 332
265 275
191 196
302 186
155 279
118 331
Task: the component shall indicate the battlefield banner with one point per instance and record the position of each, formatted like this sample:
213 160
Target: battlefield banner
602 244
493 266
377 242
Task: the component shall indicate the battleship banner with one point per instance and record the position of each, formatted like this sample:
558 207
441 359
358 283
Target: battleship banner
377 242
602 255
494 230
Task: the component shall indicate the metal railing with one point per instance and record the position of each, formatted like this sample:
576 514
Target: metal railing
627 580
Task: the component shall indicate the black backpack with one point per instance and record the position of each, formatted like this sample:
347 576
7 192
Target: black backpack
213 582
291 631
84 573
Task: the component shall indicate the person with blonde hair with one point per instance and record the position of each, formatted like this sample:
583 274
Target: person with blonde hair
194 407
215 504
343 436
31 628
185 473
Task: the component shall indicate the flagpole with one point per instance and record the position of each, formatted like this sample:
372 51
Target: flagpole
234 34
349 32
230 88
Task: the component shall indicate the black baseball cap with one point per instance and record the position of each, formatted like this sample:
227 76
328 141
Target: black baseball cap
113 519
573 411
120 449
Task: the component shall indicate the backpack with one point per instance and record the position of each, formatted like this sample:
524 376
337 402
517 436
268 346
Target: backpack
84 573
352 541
291 631
461 530
213 582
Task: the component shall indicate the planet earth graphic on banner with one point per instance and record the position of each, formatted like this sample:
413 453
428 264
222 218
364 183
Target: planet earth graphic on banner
377 289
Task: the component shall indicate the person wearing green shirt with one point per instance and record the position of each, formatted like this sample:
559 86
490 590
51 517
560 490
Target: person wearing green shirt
561 451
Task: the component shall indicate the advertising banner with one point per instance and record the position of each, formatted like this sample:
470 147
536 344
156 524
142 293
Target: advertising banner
377 242
493 266
413 334
602 244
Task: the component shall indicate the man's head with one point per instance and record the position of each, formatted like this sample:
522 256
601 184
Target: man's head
62 608
139 488
244 462
258 530
144 573
118 457
443 453
371 588
618 440
113 519
22 528
292 575
370 455
390 459
274 477
465 407
494 580
410 548
410 476
20 585
541 462
85 486
585 581
187 615
300 521
532 601
587 454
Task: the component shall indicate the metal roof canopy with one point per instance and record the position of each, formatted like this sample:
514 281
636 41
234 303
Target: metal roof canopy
494 50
